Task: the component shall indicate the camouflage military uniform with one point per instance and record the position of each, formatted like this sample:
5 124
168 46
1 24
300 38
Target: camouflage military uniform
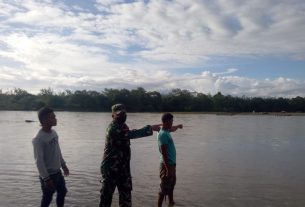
115 167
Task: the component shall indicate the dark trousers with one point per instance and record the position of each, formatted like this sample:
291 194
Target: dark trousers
168 183
59 187
124 185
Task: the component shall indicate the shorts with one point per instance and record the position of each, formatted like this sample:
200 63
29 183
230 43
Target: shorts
167 182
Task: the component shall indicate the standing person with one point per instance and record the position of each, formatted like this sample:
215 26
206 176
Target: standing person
115 167
49 160
167 159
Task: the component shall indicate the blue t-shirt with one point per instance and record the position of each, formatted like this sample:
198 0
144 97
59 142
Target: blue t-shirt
164 137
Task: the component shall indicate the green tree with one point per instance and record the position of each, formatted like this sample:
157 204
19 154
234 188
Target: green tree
140 100
201 103
297 104
119 96
218 102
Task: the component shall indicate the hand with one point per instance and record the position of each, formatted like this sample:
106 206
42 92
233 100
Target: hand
156 127
66 171
169 172
50 184
180 126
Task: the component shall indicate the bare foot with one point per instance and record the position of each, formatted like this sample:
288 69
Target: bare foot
171 203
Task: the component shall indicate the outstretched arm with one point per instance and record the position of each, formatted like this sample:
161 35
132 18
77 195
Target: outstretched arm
156 127
174 128
138 133
143 132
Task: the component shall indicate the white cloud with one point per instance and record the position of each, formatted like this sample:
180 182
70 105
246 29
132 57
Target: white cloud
160 80
142 44
189 28
228 71
212 83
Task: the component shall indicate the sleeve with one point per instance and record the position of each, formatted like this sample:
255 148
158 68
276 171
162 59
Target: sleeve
138 133
38 156
112 131
163 139
62 161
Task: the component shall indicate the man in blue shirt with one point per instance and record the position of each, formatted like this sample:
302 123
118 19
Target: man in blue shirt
167 159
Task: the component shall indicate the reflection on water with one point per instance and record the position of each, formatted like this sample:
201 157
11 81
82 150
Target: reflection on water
221 160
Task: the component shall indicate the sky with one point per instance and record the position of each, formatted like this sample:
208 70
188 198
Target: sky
240 48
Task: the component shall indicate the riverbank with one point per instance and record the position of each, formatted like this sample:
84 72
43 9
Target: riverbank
194 112
262 113
247 113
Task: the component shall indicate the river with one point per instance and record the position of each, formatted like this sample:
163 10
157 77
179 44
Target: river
222 161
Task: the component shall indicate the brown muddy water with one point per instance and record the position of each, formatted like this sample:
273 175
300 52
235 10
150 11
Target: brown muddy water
222 161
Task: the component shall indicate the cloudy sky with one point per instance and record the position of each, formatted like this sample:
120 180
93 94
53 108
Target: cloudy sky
237 47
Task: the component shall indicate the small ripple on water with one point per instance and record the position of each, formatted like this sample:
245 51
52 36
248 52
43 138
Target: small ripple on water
222 161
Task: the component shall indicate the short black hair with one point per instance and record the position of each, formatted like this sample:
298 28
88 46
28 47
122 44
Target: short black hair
166 117
43 113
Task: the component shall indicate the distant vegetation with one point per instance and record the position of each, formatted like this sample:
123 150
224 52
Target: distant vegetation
139 100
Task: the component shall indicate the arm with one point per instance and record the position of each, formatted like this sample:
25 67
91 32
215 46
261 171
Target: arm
38 156
174 128
62 161
138 133
165 158
143 132
63 164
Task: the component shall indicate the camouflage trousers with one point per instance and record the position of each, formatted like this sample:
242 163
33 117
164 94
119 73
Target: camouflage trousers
124 185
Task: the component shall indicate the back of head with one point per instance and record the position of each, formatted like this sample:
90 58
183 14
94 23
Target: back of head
43 113
166 117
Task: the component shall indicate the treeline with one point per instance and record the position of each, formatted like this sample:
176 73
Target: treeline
140 100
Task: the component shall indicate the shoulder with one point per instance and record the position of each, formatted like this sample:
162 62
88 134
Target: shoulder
163 135
37 139
54 133
113 128
163 132
38 135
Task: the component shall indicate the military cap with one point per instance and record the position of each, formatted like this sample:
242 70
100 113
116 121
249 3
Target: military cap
118 108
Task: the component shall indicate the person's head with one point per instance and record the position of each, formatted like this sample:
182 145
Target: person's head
167 120
47 117
119 113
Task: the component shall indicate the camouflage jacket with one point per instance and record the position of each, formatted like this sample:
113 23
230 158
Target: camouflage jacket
116 160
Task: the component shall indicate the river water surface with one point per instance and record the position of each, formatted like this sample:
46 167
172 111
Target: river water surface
239 160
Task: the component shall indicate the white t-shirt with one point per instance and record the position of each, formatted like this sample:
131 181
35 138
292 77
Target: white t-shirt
47 153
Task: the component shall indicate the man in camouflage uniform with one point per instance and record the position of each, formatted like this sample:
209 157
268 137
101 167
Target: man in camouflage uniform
115 167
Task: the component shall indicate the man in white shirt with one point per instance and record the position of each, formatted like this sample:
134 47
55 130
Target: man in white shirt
49 160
